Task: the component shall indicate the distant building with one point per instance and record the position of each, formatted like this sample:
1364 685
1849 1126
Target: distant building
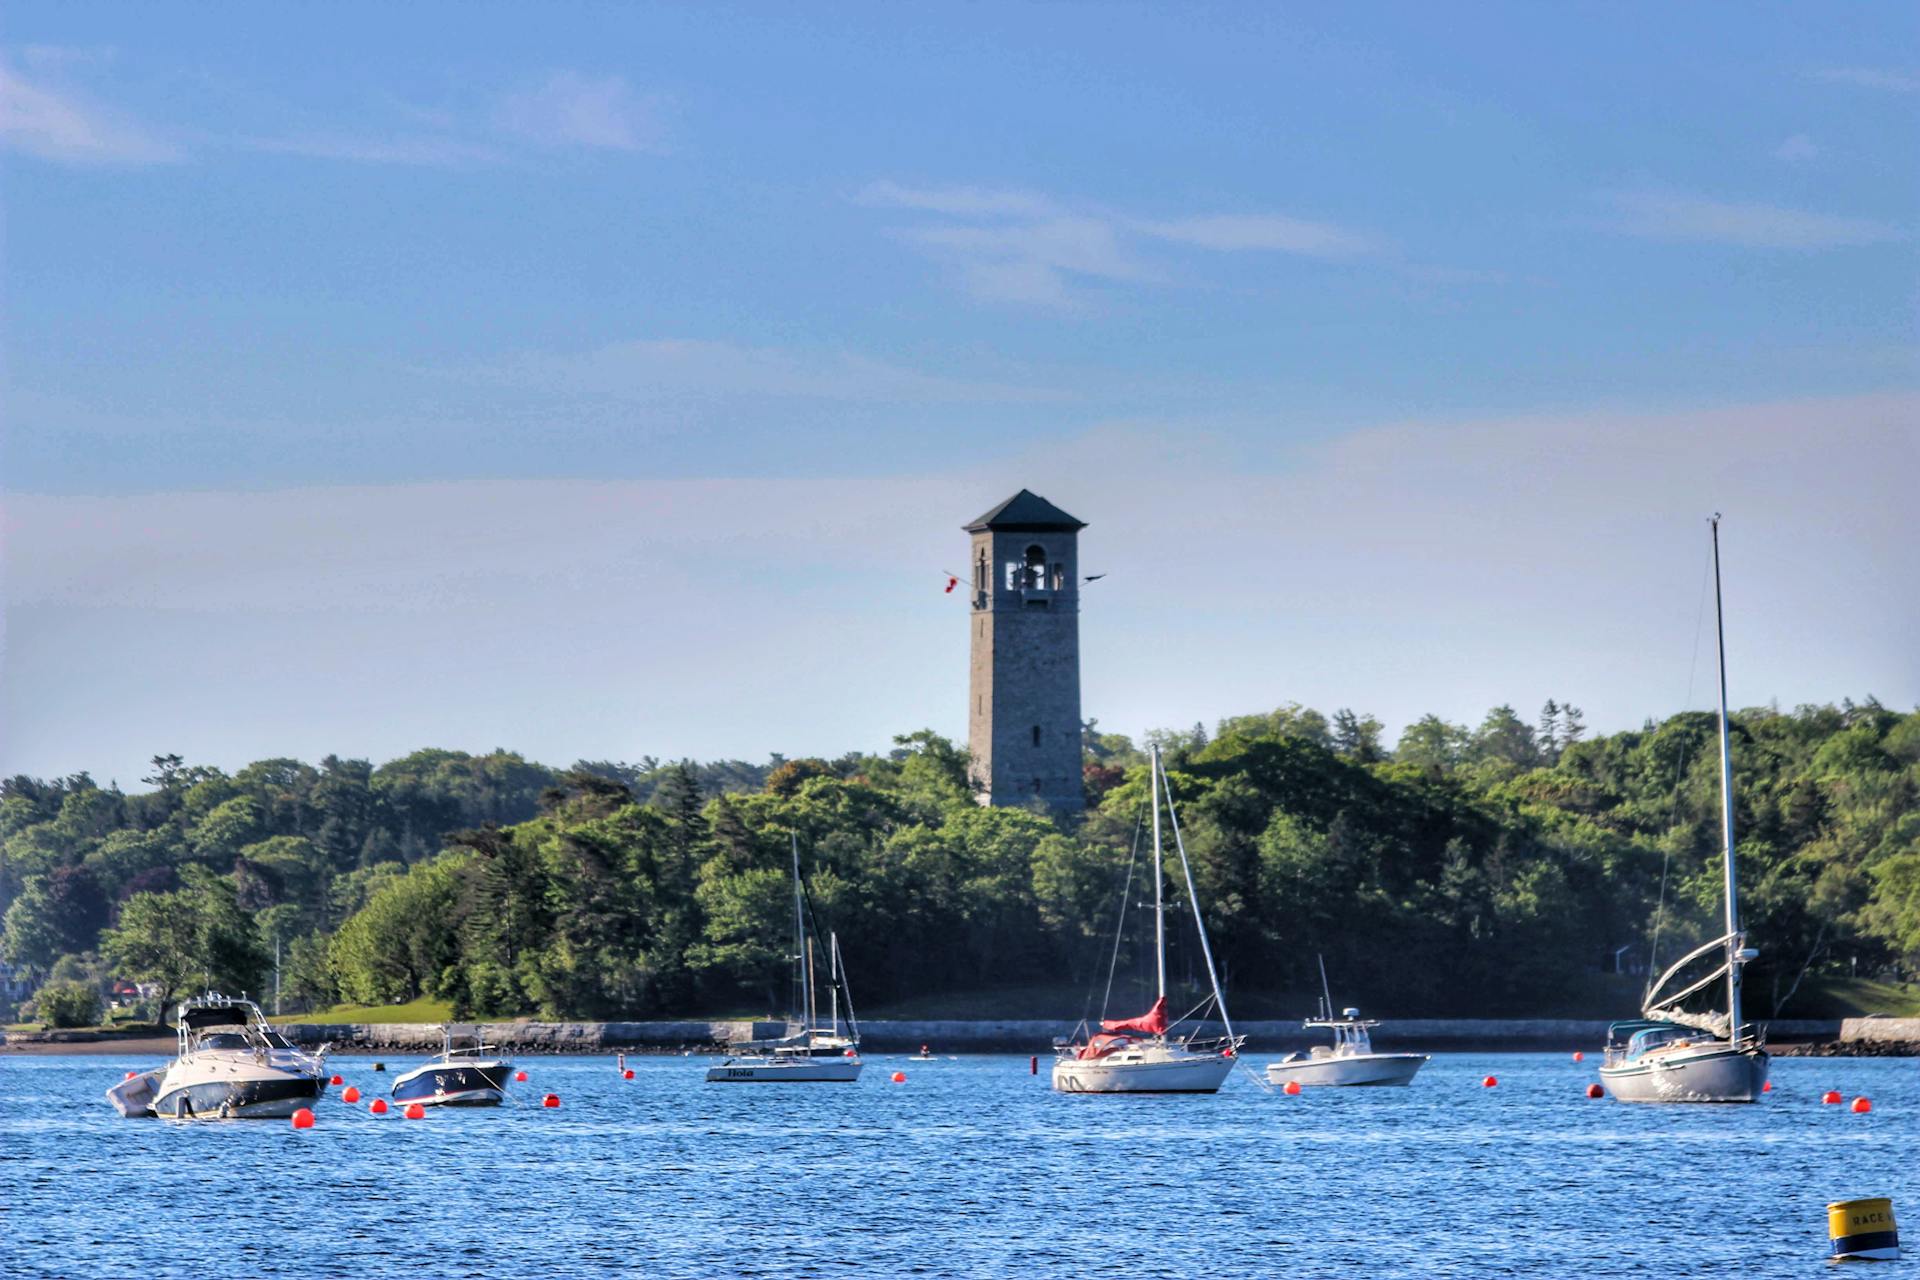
1024 710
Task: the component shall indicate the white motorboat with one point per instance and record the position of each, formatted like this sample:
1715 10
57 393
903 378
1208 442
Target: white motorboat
1136 1055
1677 1054
1350 1060
812 1052
471 1075
232 1064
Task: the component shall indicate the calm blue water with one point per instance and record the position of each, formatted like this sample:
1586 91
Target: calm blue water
972 1167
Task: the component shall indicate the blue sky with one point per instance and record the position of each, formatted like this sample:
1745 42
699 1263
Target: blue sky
1379 326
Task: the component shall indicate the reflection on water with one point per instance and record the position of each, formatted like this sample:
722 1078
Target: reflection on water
972 1167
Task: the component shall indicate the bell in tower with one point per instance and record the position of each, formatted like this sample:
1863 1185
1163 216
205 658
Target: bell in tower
1024 718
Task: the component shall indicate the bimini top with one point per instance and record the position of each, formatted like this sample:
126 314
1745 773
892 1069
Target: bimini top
1025 510
213 1010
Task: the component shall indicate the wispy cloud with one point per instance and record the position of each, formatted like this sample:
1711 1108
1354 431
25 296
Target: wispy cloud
1872 78
1011 245
422 150
1229 233
572 110
65 129
685 369
1795 149
1665 216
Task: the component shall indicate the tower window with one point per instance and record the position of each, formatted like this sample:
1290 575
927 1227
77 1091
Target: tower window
1036 735
1036 575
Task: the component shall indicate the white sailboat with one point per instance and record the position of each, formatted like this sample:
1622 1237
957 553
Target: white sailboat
810 1052
1350 1060
1676 1054
1136 1055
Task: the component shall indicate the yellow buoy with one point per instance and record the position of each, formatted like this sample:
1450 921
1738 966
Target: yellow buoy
1863 1228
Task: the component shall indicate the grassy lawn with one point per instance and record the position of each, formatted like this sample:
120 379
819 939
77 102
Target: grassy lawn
421 1010
1855 998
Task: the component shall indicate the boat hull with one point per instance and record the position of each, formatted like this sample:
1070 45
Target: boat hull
1187 1074
1713 1073
1356 1070
800 1071
457 1084
261 1097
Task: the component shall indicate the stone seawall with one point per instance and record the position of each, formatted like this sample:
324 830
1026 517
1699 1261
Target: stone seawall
883 1036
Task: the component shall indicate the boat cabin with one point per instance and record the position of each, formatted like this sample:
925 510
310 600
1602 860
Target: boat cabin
1350 1035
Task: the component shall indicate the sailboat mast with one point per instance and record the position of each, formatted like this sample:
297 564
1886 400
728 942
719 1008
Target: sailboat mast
833 980
1159 879
799 936
1734 940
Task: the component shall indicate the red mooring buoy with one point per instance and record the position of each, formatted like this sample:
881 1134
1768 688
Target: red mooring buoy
130 1075
899 1077
1579 1056
627 1074
378 1106
336 1080
551 1100
1861 1106
1033 1065
1831 1097
1767 1087
351 1095
1595 1091
521 1076
1489 1082
415 1111
1293 1089
303 1119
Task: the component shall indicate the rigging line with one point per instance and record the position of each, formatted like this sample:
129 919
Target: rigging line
1126 894
1679 772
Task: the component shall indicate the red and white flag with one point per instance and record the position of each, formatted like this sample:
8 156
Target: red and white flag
952 582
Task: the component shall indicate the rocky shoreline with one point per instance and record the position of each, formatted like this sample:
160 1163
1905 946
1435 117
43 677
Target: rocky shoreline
1852 1037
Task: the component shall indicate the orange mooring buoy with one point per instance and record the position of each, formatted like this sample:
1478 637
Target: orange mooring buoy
1292 1089
1489 1082
378 1106
351 1095
415 1111
551 1100
336 1080
627 1074
1579 1056
1767 1087
1861 1106
1831 1097
899 1077
521 1076
303 1119
1595 1091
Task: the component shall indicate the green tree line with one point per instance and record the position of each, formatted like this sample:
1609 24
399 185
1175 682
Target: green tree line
1507 867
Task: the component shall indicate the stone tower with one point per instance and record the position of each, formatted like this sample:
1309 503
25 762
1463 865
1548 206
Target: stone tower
1023 712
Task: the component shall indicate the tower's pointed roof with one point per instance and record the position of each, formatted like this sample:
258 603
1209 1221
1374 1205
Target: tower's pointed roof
1025 510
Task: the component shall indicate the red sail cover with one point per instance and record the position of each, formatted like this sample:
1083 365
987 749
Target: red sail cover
1153 1022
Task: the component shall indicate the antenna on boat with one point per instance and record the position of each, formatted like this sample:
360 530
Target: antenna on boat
1326 993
